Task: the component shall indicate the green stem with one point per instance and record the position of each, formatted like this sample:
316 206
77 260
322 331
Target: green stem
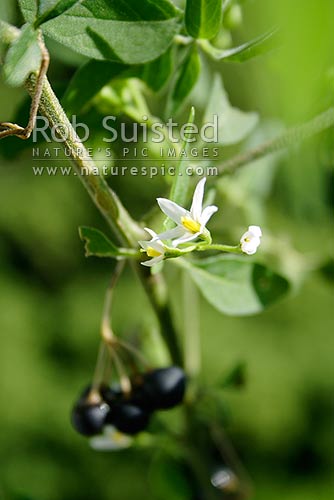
156 290
130 253
221 248
191 326
125 229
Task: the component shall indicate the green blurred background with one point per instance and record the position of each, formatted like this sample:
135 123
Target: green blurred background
51 296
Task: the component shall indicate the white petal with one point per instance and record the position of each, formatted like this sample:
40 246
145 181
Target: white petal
172 210
110 440
157 245
207 214
144 244
251 245
246 236
184 239
152 233
256 230
172 233
248 249
152 262
196 206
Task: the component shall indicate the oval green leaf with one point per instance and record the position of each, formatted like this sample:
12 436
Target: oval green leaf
203 18
49 9
23 57
88 81
234 125
131 32
187 78
236 286
96 243
156 73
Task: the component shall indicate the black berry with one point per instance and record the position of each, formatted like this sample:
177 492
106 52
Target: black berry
111 394
165 387
130 418
89 419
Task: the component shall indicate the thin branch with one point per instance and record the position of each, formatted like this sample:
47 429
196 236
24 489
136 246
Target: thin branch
101 368
124 380
134 352
106 330
289 138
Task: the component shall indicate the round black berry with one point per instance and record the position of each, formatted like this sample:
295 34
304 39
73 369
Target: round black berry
165 387
111 394
89 419
129 418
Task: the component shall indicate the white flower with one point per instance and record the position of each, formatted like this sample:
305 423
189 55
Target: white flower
110 440
251 239
190 224
153 248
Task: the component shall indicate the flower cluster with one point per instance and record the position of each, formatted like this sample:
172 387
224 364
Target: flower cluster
190 225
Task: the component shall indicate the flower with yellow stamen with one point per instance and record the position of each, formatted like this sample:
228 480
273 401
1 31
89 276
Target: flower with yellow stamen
190 224
250 240
153 248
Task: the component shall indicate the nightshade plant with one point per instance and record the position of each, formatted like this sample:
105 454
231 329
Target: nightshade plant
131 46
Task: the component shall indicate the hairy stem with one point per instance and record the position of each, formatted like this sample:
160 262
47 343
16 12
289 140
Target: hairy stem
125 229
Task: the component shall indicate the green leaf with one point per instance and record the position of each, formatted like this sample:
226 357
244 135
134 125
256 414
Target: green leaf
258 46
88 81
236 286
187 77
156 73
23 57
203 18
49 9
130 32
96 243
233 124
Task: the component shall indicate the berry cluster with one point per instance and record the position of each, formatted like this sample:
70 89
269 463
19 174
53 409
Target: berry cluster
130 413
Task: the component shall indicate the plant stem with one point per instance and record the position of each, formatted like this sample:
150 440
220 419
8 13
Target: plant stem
127 231
191 326
100 368
106 200
106 329
221 248
156 290
289 138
